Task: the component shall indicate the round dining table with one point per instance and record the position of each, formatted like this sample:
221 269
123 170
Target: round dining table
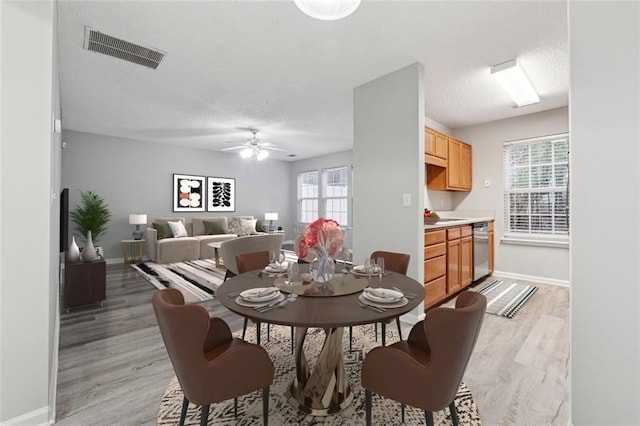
321 389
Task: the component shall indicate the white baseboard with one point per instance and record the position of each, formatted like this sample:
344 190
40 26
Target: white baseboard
523 277
39 417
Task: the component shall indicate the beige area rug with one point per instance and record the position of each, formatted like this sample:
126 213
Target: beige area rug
281 412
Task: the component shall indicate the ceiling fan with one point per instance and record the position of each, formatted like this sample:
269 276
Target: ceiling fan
254 148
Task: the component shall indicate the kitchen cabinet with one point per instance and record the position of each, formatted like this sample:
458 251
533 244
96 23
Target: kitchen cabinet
435 267
455 173
435 147
448 262
491 245
459 258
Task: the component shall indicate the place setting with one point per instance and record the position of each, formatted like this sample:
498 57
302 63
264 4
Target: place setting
381 299
277 266
371 267
260 298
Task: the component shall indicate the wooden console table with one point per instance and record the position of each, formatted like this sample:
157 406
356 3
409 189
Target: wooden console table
84 283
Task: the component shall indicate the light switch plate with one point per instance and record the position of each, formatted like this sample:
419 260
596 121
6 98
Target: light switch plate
487 183
406 200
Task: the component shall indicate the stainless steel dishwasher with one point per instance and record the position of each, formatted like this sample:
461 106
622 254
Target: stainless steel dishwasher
480 250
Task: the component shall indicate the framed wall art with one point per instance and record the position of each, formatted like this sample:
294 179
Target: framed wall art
221 193
188 193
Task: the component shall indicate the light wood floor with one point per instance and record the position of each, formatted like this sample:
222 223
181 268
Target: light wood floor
113 367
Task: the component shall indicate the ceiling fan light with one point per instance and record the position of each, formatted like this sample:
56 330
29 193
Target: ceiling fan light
246 153
261 155
327 10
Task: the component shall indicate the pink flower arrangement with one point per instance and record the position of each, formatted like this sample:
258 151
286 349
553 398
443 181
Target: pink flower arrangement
323 236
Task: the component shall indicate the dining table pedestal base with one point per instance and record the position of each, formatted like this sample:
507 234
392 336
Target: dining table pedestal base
323 390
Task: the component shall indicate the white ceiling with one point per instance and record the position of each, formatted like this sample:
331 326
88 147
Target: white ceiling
237 64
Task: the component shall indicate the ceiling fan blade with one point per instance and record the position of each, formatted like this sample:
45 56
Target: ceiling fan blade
272 148
232 148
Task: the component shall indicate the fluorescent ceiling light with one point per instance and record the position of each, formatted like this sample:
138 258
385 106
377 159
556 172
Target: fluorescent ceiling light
327 10
515 82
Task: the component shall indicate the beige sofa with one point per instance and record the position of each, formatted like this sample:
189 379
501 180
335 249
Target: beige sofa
195 246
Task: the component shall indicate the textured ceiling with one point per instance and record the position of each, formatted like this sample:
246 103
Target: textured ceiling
236 65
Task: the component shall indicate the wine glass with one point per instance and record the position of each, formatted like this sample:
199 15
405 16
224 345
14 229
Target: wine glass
272 257
281 259
368 267
293 273
379 267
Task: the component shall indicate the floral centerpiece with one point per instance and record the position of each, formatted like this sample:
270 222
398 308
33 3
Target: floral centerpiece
324 238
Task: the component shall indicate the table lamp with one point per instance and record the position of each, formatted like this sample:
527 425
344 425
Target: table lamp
137 220
271 217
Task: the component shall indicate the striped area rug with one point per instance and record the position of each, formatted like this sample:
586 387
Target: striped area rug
196 279
506 298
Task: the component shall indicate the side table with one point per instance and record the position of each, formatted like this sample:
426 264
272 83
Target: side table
132 251
84 282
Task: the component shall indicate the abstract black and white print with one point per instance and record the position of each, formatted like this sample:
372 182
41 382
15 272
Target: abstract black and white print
188 193
222 194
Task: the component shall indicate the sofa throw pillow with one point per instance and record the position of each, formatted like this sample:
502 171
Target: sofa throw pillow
162 229
213 227
177 229
242 226
260 226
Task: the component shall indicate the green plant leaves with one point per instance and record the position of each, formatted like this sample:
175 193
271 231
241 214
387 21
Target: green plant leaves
92 214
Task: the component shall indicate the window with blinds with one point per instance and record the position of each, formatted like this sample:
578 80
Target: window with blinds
536 197
327 197
335 194
307 196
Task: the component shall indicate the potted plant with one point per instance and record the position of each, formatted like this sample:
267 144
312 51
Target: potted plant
91 215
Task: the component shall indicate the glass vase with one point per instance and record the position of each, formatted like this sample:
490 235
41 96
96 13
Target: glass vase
324 270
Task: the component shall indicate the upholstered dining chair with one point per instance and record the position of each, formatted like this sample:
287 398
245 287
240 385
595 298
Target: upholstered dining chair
394 262
253 261
211 365
425 371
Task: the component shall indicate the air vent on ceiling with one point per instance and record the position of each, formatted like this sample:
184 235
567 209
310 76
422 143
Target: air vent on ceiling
122 49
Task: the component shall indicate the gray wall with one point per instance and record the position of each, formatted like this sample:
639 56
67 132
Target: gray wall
137 177
388 143
604 42
549 264
26 210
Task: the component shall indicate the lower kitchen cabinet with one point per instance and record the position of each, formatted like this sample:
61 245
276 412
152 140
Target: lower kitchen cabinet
448 264
435 266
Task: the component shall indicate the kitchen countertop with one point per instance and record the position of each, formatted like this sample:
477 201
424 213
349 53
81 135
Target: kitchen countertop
457 218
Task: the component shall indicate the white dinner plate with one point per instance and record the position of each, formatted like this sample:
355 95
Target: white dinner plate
243 302
392 296
275 269
259 295
400 303
359 270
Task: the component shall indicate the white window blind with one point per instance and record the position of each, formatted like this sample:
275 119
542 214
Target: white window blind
335 194
308 196
536 177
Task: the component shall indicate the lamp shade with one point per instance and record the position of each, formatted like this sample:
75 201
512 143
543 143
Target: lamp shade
137 219
271 216
327 10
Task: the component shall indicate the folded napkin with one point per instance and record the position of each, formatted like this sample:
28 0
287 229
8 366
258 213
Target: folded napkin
272 267
258 292
383 293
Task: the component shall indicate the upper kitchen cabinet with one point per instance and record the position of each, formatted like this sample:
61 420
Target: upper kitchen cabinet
451 172
435 147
